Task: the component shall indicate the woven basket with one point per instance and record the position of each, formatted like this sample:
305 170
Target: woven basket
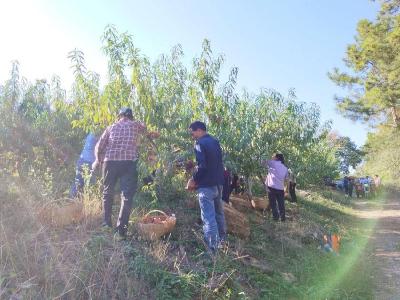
259 203
154 227
244 196
236 222
62 213
241 204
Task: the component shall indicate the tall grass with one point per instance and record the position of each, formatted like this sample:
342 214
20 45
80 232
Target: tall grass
78 261
42 262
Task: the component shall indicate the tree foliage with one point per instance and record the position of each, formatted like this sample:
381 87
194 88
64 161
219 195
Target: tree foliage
167 95
346 151
36 137
383 155
374 61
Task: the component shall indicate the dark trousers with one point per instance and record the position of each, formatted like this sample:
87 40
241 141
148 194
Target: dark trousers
275 196
126 172
350 190
226 191
292 191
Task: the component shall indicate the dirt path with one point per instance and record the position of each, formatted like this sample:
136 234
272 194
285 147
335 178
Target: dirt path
385 245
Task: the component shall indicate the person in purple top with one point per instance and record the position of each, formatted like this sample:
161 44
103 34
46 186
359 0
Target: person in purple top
275 184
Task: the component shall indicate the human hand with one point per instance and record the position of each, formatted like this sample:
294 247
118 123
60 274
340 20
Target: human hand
95 164
191 185
153 134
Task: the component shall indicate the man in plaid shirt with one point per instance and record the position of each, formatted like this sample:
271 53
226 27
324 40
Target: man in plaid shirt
117 150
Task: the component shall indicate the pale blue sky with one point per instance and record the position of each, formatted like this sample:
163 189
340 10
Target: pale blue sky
275 44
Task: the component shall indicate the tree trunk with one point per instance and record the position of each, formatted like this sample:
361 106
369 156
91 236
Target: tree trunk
249 186
261 179
395 116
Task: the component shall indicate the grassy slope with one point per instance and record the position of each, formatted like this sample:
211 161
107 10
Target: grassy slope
278 261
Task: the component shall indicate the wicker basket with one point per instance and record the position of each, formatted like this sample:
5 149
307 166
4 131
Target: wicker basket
59 213
154 227
244 196
259 203
240 204
237 223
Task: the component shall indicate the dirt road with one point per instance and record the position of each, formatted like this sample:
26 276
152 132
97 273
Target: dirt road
384 244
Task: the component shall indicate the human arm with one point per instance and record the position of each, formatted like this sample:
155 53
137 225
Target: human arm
265 163
201 168
149 135
287 180
153 134
100 148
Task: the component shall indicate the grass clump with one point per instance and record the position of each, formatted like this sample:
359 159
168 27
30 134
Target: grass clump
279 260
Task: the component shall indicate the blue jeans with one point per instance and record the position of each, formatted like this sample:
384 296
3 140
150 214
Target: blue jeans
212 215
79 182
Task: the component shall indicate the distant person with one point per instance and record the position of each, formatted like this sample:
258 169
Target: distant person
242 185
367 186
377 181
372 189
235 183
346 185
359 187
117 150
275 184
208 180
350 187
226 191
85 161
292 186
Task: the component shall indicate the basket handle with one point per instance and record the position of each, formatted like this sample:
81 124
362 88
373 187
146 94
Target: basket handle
155 210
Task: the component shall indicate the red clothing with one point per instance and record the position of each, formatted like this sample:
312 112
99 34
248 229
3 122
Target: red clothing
120 141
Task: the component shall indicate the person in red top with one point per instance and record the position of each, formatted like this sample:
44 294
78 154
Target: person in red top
117 151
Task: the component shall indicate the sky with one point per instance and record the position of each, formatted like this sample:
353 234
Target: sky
275 44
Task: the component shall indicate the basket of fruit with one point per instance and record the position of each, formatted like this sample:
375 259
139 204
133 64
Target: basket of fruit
259 203
242 204
155 224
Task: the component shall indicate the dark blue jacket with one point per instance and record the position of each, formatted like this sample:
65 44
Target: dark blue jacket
210 170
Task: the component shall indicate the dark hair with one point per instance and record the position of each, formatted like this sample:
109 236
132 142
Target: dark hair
198 125
280 157
125 112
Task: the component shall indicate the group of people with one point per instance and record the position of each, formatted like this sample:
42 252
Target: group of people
363 186
116 151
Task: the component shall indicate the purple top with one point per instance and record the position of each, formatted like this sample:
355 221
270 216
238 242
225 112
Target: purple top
277 173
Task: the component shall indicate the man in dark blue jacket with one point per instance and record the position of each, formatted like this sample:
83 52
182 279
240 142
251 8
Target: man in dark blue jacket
208 180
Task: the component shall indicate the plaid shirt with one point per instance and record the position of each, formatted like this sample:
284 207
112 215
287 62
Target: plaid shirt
120 141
